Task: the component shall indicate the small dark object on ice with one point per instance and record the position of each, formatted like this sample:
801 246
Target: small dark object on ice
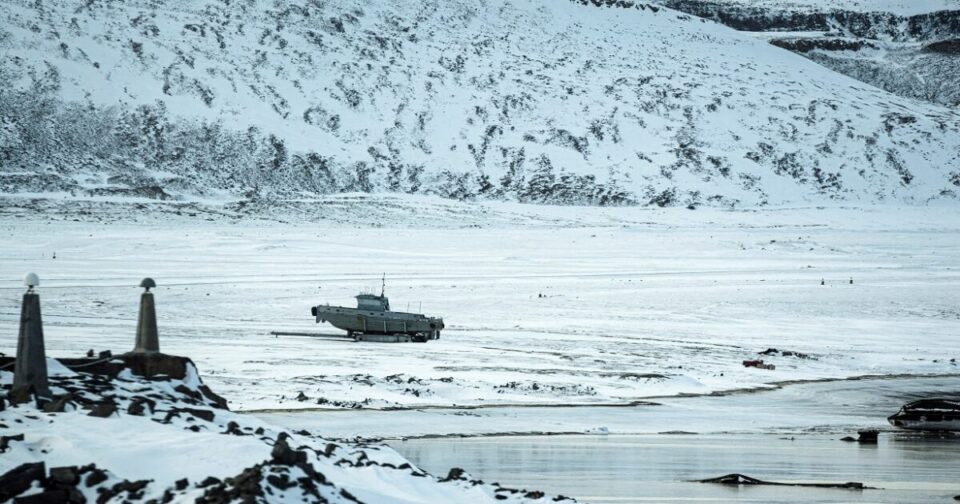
90 353
956 497
758 364
106 354
740 479
848 439
867 436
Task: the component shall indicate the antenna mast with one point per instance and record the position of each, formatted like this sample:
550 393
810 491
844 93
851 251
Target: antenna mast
383 285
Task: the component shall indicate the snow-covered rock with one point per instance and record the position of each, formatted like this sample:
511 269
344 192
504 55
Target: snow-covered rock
145 428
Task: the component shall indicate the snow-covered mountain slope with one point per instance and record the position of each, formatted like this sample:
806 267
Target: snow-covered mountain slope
907 48
899 7
561 102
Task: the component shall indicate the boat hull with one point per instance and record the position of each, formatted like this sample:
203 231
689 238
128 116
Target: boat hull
928 415
370 322
926 425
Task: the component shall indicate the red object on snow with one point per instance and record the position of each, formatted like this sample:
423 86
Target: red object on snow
758 364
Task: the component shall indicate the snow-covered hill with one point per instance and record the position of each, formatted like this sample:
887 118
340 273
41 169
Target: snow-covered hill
907 48
564 102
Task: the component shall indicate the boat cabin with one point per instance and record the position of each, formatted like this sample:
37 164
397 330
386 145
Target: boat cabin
373 302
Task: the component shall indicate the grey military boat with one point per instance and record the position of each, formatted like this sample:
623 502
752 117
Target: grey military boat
372 320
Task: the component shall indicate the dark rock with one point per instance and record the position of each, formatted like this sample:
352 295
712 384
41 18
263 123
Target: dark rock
944 46
848 439
75 496
218 401
234 428
58 405
3 402
259 431
187 391
867 436
283 454
103 409
151 365
66 475
41 402
244 487
199 413
136 408
302 432
133 489
5 441
106 354
20 478
805 45
59 496
280 481
329 449
455 474
302 397
210 480
181 484
95 477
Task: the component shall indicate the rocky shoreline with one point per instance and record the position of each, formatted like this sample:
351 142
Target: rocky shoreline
167 391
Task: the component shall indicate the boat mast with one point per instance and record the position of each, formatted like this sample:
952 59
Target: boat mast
383 285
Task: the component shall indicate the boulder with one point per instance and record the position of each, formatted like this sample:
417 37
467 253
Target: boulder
58 405
95 477
21 478
5 441
136 408
103 409
284 455
57 496
66 475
